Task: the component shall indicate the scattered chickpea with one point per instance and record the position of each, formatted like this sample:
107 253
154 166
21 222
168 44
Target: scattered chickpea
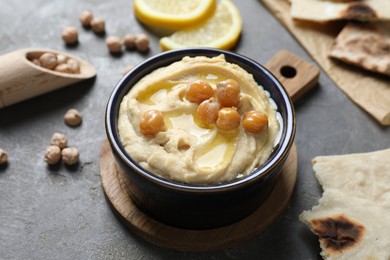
228 93
98 25
255 122
114 44
70 35
129 41
228 119
48 60
52 154
207 112
152 122
64 68
59 140
73 117
85 18
70 155
142 42
3 157
74 65
198 91
127 69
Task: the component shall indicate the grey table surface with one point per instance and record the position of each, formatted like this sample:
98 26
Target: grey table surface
61 213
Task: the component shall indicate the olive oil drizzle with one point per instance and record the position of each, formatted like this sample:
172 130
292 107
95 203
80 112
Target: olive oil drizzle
218 152
184 121
154 93
212 154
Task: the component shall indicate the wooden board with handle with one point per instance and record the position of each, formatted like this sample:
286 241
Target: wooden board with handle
298 79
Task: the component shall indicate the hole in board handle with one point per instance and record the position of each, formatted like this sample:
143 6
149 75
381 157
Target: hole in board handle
288 71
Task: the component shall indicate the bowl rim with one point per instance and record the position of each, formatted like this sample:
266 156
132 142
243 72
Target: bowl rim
115 98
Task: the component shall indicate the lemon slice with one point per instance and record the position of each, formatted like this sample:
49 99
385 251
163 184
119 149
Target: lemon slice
174 14
221 31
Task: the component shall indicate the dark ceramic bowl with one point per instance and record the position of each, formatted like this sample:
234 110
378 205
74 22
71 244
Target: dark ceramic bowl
201 206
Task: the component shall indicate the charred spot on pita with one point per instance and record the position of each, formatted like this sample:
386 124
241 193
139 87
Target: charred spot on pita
338 233
359 11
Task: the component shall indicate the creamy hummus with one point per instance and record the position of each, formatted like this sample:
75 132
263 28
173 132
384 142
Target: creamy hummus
185 151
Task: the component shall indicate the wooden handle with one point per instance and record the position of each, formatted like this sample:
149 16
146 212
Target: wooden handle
296 75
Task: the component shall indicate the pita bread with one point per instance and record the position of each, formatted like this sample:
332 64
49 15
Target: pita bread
364 45
352 219
325 10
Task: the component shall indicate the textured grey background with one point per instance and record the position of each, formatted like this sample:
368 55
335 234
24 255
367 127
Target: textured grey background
61 213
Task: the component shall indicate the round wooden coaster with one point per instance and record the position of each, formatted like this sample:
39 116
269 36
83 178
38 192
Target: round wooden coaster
116 188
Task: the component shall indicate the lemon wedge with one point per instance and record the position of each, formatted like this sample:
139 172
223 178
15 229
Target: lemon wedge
221 31
174 14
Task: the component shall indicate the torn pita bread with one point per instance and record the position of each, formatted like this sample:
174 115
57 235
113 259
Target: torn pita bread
366 45
325 10
352 219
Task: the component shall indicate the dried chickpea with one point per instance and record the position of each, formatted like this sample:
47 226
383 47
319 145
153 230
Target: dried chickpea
129 41
73 117
142 42
152 122
228 119
255 122
98 25
207 112
48 60
61 59
228 93
59 140
114 44
74 66
70 155
85 18
70 35
198 91
64 68
3 157
52 154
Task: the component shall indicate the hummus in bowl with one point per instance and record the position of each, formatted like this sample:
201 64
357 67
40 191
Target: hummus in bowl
186 149
191 169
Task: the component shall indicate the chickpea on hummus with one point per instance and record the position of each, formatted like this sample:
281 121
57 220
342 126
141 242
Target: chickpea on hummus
199 120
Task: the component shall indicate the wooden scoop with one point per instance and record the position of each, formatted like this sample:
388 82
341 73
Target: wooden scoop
21 79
